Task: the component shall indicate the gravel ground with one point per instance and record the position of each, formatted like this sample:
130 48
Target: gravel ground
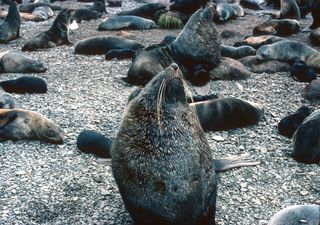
42 183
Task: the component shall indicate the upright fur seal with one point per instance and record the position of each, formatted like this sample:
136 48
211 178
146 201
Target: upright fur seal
197 45
297 214
10 27
103 44
18 124
306 140
126 22
17 62
227 113
289 10
56 35
24 85
290 51
289 124
161 151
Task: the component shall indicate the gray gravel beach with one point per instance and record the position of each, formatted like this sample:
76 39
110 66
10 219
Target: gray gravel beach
42 183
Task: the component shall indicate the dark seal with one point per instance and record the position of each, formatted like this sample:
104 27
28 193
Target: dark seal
236 52
289 124
119 54
148 10
289 10
29 7
10 27
23 85
85 14
56 35
282 27
306 140
103 44
301 72
6 100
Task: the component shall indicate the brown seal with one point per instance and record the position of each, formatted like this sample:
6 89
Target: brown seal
257 41
56 35
161 151
282 27
18 124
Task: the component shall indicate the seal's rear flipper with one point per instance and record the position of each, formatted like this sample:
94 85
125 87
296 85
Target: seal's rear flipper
233 162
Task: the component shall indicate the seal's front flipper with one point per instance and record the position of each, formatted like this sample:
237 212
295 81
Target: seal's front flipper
233 162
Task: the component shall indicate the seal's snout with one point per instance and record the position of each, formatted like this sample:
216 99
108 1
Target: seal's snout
174 66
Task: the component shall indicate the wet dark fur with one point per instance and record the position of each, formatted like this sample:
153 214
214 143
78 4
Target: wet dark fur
301 72
10 27
56 35
24 85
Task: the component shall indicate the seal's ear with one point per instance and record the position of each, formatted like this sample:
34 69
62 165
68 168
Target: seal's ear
6 117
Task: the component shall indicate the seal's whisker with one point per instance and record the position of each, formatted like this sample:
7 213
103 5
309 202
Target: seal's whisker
159 99
187 89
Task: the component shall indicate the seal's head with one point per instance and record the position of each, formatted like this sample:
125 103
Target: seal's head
50 132
63 19
265 52
198 42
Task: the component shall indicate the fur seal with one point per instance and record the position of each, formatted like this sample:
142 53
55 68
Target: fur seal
148 11
290 51
312 91
29 7
297 214
315 12
56 35
289 124
261 66
257 42
282 27
227 11
85 14
90 141
196 48
301 72
99 6
119 54
306 140
223 114
43 13
10 27
126 22
236 52
17 62
103 44
229 69
187 6
289 10
315 36
24 85
18 124
6 100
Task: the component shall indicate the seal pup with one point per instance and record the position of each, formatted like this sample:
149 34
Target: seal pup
196 48
19 124
126 22
6 100
17 62
236 52
43 13
56 35
290 51
161 151
282 27
289 124
261 66
24 85
98 6
103 44
289 10
29 7
227 113
312 91
227 11
148 11
257 42
90 141
10 27
306 140
297 214
301 72
85 14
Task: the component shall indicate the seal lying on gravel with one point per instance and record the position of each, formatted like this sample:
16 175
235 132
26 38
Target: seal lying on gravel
312 91
18 62
98 6
283 27
196 48
56 35
290 51
18 124
24 85
148 10
301 72
306 140
161 151
257 42
126 22
289 124
85 14
6 100
43 13
297 214
29 7
260 66
236 52
10 27
103 44
227 113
